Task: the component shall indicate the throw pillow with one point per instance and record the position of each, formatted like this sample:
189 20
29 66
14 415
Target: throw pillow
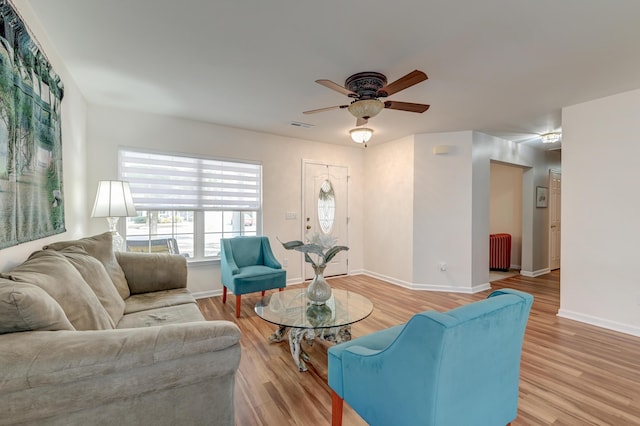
25 307
53 273
95 274
100 247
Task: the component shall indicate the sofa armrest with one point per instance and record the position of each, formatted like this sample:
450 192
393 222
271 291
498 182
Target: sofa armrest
148 272
71 371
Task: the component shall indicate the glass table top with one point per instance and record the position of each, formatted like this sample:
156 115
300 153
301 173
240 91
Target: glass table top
290 308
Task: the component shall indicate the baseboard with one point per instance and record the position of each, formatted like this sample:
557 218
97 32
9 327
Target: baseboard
599 322
293 281
533 274
453 289
390 280
516 267
207 293
218 292
299 280
428 287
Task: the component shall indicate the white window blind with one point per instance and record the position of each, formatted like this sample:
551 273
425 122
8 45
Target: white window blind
174 182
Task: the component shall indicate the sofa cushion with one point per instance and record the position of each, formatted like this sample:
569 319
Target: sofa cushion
95 274
158 299
53 273
100 247
25 307
188 312
147 272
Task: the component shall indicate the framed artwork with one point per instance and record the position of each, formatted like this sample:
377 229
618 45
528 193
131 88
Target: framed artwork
31 196
542 196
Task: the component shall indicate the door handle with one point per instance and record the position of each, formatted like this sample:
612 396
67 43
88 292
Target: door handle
308 227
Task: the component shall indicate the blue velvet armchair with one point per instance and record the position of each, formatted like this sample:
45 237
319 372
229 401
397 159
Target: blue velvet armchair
247 265
458 368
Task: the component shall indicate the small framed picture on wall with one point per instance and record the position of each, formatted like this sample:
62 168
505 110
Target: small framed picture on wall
542 196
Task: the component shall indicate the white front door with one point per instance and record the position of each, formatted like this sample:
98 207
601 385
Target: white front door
554 219
325 209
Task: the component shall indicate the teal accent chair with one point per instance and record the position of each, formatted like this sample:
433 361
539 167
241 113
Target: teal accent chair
457 368
247 265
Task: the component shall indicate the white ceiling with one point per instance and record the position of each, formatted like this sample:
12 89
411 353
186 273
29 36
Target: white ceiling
503 67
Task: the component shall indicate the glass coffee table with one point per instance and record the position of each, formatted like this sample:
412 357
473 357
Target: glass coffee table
293 313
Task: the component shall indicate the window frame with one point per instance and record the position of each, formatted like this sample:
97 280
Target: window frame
199 233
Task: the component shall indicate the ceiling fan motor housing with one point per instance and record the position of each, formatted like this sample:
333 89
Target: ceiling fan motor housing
366 85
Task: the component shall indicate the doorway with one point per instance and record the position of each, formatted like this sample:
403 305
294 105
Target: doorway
506 207
325 210
554 218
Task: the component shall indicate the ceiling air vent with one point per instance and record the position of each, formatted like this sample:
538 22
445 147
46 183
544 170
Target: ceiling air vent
300 124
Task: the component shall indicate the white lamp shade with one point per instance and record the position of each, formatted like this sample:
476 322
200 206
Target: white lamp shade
366 108
361 134
113 199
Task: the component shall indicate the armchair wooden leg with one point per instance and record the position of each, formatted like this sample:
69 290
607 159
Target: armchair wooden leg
280 289
336 409
238 305
224 294
264 292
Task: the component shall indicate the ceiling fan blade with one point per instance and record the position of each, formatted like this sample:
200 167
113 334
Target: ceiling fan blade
361 122
313 111
414 77
406 106
335 86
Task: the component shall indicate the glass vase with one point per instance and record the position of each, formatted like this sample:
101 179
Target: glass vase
318 291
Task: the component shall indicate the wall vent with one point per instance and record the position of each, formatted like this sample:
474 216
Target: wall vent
300 124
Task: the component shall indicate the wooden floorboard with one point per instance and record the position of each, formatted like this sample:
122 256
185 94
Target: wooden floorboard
572 373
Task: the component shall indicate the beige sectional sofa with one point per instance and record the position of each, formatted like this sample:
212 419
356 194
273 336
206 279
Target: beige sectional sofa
91 337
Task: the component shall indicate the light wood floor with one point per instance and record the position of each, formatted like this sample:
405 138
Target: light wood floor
572 373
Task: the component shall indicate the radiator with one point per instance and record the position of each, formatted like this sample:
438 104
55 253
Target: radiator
500 251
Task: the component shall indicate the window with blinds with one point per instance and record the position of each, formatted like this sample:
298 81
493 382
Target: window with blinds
186 204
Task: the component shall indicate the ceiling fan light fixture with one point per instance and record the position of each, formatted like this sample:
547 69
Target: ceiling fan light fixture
366 108
361 134
551 137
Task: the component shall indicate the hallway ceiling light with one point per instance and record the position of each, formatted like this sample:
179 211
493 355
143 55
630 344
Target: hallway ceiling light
361 134
552 137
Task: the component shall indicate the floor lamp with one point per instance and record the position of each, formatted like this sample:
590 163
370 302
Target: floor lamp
113 201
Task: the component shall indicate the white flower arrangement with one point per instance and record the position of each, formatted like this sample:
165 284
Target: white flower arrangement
322 247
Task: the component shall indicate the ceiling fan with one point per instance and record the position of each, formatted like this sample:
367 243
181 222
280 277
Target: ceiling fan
366 88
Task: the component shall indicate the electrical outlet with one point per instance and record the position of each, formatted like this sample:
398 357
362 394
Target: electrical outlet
285 262
443 266
290 215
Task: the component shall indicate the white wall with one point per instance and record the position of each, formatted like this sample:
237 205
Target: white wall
281 157
505 206
389 216
449 194
443 212
600 212
73 116
483 145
